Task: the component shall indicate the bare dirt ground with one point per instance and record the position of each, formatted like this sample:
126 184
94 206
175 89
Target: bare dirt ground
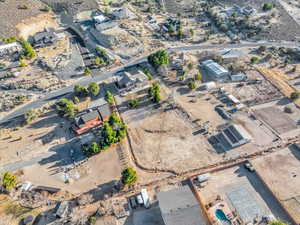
25 142
283 180
32 25
11 15
284 29
165 141
93 175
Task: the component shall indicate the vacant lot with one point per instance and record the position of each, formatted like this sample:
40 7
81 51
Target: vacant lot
165 141
11 15
98 173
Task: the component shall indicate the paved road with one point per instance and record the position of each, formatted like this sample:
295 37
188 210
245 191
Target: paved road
101 76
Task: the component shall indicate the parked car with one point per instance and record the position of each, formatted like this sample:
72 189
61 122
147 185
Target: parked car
249 167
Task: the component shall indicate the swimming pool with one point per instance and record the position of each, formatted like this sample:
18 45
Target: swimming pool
222 217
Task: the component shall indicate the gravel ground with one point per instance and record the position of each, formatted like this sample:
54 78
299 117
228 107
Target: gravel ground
72 6
286 29
11 15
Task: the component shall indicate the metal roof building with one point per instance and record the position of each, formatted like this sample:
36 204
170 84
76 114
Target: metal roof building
180 207
218 71
235 135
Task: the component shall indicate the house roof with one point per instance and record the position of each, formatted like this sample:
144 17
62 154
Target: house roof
180 207
126 79
104 110
89 116
106 25
124 13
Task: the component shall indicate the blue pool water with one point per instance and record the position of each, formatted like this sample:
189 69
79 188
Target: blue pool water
221 216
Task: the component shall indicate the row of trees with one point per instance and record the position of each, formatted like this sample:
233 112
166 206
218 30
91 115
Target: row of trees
112 132
82 91
154 92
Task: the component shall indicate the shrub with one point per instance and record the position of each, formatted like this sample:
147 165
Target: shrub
254 60
192 84
92 220
30 115
295 95
148 74
198 76
9 181
9 39
133 103
28 49
129 176
268 6
87 71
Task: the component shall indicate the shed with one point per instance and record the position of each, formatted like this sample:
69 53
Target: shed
203 177
238 77
210 85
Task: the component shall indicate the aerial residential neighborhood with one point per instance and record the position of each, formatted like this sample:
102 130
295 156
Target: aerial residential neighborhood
149 112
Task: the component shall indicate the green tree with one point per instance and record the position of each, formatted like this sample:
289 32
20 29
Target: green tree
109 98
94 89
190 66
294 96
159 58
129 176
254 60
154 92
28 49
268 6
87 71
133 103
65 107
9 181
192 84
98 61
94 148
198 76
80 90
192 32
92 220
30 115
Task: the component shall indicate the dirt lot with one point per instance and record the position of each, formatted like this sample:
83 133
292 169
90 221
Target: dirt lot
11 15
32 25
283 180
25 142
97 173
284 29
165 141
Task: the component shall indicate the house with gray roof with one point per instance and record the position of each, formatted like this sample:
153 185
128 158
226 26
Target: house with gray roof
215 70
180 207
